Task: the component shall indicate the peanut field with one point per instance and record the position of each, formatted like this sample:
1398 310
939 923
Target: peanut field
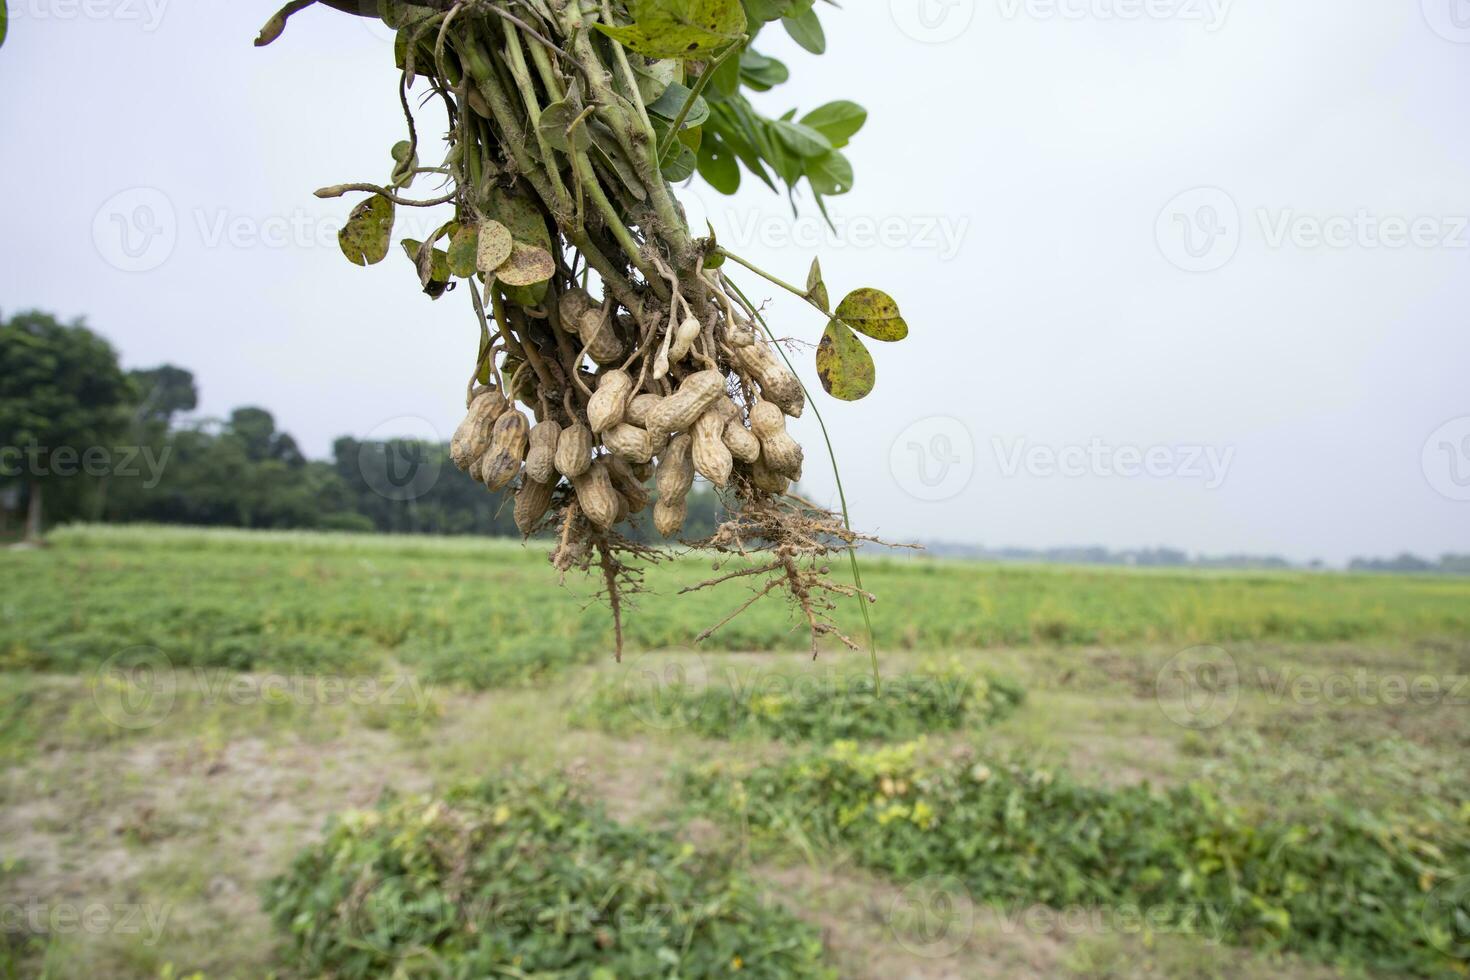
243 754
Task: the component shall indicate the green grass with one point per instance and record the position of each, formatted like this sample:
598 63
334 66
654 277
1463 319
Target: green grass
484 613
202 771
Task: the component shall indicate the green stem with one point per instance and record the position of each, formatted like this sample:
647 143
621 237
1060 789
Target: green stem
522 75
857 575
801 293
699 88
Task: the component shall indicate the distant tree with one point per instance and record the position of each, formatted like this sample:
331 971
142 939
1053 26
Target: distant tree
61 393
164 392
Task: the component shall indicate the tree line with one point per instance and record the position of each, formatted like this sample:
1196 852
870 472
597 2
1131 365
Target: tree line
83 439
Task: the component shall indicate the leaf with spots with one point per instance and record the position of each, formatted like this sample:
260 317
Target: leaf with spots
494 246
527 265
368 232
521 216
681 29
844 364
463 248
872 312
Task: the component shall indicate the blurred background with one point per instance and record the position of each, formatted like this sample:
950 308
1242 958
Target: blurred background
1185 275
283 693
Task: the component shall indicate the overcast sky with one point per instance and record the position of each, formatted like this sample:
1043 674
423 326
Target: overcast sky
1177 272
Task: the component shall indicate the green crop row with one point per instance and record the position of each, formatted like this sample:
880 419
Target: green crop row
1348 887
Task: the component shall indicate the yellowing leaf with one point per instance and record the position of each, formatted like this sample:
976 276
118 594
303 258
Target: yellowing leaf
844 364
494 247
368 232
682 29
872 312
526 265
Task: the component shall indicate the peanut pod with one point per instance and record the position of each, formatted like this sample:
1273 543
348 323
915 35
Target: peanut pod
573 450
629 442
639 408
777 383
596 330
766 478
696 393
596 496
609 403
472 437
532 501
502 461
675 473
683 339
778 449
711 456
669 515
541 457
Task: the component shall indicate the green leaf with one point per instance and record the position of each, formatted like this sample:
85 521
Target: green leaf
844 364
816 289
761 73
764 11
655 77
830 173
4 22
531 295
838 121
802 140
806 30
680 163
738 133
405 161
521 216
872 312
668 105
718 166
725 82
463 248
494 246
555 120
369 229
683 29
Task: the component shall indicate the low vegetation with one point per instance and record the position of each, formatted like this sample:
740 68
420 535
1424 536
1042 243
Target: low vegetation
1348 887
793 708
524 878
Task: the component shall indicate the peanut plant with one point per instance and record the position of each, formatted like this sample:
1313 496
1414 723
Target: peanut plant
614 345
